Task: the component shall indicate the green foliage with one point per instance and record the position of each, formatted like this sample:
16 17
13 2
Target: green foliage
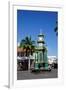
28 44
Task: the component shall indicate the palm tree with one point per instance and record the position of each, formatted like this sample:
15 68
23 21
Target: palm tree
56 28
28 45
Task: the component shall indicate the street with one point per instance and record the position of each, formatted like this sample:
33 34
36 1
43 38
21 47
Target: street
22 75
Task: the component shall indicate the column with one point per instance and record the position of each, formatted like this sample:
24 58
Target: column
37 56
36 62
46 62
29 64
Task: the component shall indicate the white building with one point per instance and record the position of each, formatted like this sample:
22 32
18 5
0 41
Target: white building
52 59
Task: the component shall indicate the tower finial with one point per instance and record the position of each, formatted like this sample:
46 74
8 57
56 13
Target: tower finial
40 31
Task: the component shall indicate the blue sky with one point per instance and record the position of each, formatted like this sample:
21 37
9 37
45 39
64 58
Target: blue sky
29 23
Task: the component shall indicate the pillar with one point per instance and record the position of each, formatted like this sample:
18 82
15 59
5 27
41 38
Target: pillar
36 62
46 59
29 64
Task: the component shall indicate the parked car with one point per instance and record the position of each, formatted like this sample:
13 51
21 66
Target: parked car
54 65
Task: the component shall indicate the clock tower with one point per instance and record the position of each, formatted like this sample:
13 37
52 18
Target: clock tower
41 61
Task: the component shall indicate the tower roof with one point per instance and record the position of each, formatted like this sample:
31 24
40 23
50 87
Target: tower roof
41 41
41 34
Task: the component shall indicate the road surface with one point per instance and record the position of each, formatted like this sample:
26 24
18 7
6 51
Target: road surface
22 75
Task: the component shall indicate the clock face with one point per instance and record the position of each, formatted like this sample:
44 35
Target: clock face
41 38
41 44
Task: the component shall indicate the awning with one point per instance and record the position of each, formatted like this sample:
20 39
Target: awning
25 58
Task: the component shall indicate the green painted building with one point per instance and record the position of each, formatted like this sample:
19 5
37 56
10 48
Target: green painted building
40 54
